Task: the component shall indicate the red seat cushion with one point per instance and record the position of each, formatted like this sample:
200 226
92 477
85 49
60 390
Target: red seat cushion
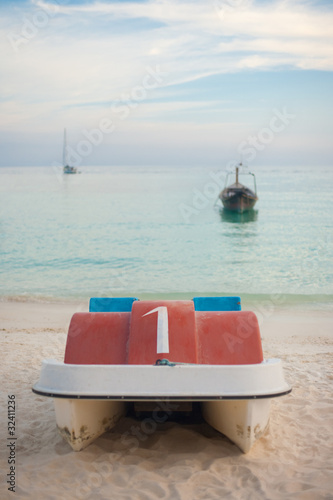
228 338
98 338
180 332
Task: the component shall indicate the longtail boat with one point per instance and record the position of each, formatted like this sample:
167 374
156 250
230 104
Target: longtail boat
237 197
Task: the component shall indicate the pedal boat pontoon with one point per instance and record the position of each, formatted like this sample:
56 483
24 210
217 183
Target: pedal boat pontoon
126 350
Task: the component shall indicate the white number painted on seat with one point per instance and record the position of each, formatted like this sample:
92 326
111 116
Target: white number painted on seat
162 328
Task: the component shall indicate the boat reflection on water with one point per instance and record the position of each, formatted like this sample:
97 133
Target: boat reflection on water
236 217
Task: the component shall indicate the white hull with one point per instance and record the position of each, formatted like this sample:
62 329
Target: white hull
80 421
242 421
90 399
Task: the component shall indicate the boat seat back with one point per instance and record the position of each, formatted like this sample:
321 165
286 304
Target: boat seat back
228 338
217 303
162 329
111 304
98 338
170 329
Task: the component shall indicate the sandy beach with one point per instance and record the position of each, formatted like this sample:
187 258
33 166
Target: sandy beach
188 461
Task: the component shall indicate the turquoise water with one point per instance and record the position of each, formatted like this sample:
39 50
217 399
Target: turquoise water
114 231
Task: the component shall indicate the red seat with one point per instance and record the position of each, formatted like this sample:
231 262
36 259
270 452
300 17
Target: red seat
164 329
228 338
98 338
180 332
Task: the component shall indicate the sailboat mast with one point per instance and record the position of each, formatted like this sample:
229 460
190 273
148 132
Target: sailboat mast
64 156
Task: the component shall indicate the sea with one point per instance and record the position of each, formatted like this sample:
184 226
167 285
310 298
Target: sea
162 232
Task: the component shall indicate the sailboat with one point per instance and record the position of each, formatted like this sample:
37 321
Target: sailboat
237 197
67 168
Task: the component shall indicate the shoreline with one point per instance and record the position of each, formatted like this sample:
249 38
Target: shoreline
279 299
274 320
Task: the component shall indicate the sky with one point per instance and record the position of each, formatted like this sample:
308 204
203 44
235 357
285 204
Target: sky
165 82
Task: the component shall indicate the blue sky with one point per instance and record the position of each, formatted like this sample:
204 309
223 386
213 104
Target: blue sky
167 82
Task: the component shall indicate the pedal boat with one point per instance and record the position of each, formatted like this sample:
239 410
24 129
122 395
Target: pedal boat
166 352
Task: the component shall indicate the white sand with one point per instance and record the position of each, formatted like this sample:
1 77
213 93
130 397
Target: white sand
293 460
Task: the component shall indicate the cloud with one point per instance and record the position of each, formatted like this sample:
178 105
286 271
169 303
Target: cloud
187 32
67 63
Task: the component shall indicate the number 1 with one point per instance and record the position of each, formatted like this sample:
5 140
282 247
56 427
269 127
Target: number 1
162 328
